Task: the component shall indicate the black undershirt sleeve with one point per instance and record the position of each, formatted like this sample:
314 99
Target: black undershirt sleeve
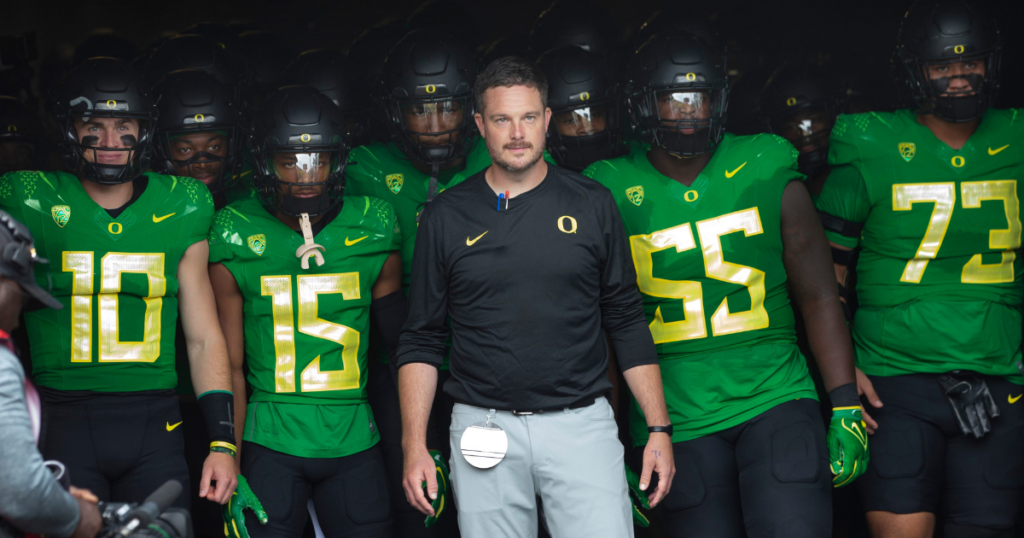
425 332
389 313
622 308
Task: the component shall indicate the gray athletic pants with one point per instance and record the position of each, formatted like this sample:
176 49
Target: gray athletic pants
572 459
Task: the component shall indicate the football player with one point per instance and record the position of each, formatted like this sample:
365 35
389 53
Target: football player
930 195
297 273
719 225
800 103
129 250
430 119
198 132
341 80
584 104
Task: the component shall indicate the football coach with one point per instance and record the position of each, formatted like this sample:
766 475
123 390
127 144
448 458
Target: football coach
527 267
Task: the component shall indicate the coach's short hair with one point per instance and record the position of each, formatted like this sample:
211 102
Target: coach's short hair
507 72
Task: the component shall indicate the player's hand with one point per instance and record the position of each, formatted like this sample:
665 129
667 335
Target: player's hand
233 511
89 520
219 468
633 481
419 469
847 445
658 458
83 494
442 488
867 390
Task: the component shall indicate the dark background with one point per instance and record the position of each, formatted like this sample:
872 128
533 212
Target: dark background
855 37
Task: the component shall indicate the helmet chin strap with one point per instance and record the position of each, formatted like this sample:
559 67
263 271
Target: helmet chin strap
308 247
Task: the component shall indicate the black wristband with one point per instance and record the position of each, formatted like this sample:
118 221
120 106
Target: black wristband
217 407
661 429
845 396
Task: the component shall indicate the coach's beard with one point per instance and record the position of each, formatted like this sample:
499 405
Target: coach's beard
512 167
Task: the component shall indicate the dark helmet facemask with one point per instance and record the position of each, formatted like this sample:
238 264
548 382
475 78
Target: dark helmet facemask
594 143
89 156
303 193
807 127
446 124
685 121
228 163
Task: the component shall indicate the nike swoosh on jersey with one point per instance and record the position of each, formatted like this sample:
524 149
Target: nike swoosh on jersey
1011 399
170 427
729 174
159 219
350 243
471 242
994 151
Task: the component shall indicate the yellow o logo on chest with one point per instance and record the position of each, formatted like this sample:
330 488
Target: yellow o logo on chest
690 196
958 161
115 226
572 224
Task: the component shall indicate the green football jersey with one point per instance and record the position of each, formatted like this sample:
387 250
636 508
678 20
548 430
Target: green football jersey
709 266
306 330
939 275
117 278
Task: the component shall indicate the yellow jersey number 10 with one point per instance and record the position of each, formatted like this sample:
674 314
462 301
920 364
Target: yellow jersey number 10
112 266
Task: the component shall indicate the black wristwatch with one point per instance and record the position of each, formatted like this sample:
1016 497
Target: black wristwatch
661 429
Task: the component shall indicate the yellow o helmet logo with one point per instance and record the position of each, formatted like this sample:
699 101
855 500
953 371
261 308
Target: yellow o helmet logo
691 76
687 196
959 161
572 224
111 104
111 228
305 138
12 128
200 118
959 49
584 96
431 88
791 101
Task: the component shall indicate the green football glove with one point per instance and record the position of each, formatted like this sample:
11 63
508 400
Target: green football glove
847 445
234 519
442 488
639 496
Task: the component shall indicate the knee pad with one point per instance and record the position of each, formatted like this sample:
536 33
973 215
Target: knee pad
795 454
953 530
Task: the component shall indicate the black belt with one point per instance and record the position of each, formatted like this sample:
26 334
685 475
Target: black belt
586 402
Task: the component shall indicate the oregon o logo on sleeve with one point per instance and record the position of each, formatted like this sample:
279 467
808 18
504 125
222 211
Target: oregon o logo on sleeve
571 229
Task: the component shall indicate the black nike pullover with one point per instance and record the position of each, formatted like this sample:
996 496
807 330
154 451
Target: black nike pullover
526 293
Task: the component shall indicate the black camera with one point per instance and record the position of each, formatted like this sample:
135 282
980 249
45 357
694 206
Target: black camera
151 519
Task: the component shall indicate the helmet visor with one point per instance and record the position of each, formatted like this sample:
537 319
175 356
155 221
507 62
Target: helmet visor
585 121
686 111
808 129
433 123
305 182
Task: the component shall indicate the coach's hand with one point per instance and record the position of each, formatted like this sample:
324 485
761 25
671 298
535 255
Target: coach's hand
847 445
219 468
443 485
420 468
658 457
234 511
